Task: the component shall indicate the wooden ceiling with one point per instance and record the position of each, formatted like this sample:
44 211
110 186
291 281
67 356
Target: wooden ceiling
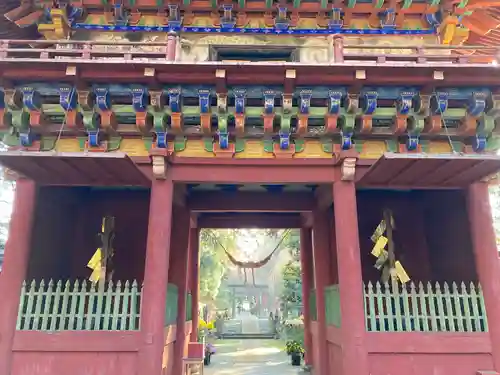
8 29
483 23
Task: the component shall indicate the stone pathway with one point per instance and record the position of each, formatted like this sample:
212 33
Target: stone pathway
250 357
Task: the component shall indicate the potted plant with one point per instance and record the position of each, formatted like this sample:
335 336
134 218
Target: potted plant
295 350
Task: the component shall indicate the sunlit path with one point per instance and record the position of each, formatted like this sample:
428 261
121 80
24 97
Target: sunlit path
250 357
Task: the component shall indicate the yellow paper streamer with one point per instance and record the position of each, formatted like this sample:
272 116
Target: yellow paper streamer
379 246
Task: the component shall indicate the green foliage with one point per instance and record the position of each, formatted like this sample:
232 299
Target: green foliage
291 273
213 260
293 346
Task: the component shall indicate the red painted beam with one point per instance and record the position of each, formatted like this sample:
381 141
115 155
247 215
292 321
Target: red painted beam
218 201
249 220
254 171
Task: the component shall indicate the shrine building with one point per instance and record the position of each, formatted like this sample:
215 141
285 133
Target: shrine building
370 126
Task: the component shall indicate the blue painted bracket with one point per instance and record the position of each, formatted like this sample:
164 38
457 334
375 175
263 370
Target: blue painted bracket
223 140
227 19
26 137
477 104
140 99
161 139
269 96
412 142
346 140
388 19
174 17
68 98
94 138
239 101
281 22
369 102
174 98
336 22
31 99
103 100
334 102
305 101
404 104
204 100
439 102
284 140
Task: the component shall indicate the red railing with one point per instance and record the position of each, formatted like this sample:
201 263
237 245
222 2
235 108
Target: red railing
85 51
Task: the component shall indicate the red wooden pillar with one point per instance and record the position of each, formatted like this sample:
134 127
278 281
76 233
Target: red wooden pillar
180 279
486 256
353 331
171 45
154 292
15 265
321 277
194 246
306 269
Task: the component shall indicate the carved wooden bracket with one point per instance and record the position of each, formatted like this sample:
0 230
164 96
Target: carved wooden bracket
108 121
400 124
303 121
348 169
143 121
331 124
366 124
239 123
283 154
37 120
432 124
268 122
468 125
206 122
224 153
74 119
158 158
176 122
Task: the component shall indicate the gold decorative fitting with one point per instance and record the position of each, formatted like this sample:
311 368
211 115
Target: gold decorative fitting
220 73
438 75
149 72
159 167
290 74
348 169
360 74
71 70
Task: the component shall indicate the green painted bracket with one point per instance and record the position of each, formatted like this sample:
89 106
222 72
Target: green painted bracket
434 3
379 4
81 142
148 142
462 4
11 138
47 143
104 2
114 143
186 2
392 145
91 120
285 122
358 146
179 143
159 121
406 4
222 122
20 120
351 3
241 4
213 3
493 143
299 145
239 145
324 4
269 4
486 125
349 123
268 145
296 3
327 145
416 124
208 143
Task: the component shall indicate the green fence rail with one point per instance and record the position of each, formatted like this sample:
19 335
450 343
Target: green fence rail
59 306
312 305
172 304
332 305
425 308
189 304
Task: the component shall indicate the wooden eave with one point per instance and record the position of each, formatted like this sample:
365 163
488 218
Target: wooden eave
398 170
131 71
75 168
